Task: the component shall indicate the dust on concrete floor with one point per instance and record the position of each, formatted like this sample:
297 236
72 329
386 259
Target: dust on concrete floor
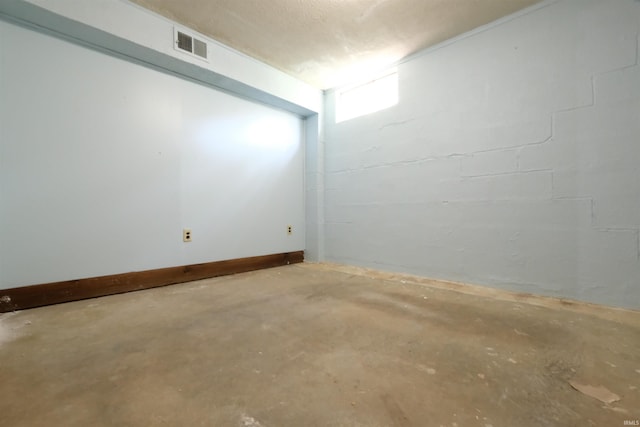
308 345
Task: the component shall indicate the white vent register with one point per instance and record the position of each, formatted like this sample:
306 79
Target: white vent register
189 44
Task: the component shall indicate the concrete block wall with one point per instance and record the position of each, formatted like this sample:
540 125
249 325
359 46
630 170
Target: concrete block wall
510 161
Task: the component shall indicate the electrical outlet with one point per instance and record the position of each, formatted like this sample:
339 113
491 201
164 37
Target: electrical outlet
186 235
289 229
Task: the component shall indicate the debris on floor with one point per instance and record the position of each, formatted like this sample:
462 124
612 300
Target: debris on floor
601 393
248 421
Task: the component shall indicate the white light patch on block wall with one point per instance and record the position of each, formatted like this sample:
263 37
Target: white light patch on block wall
367 98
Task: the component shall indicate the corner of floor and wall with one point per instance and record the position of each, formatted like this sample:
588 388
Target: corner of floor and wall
510 160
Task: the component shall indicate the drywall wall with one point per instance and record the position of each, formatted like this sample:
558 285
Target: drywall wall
125 30
314 188
103 162
122 27
511 160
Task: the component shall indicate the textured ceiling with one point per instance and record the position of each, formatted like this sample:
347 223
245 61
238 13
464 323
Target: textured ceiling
328 43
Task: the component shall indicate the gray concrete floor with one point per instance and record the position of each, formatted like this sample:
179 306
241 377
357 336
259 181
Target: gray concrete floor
317 345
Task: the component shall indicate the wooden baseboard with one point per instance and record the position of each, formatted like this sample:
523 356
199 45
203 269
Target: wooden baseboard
73 290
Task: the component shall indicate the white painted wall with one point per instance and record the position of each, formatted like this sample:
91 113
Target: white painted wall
145 28
314 189
510 161
103 162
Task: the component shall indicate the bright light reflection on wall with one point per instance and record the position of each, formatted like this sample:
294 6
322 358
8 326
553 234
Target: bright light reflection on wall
367 98
258 141
270 134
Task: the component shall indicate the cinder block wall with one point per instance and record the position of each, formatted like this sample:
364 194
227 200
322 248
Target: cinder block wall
511 160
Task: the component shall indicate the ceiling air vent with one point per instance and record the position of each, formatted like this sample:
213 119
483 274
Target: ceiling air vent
189 44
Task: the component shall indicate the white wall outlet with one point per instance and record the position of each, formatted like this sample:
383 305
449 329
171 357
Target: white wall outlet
186 235
289 229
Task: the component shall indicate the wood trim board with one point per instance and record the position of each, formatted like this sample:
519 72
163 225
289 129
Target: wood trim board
73 290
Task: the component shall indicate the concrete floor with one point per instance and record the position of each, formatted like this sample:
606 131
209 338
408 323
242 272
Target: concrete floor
317 345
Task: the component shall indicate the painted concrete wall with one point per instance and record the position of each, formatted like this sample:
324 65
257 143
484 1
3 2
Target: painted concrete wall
511 160
103 162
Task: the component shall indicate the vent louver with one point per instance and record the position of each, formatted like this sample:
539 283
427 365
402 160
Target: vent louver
200 48
188 43
185 42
